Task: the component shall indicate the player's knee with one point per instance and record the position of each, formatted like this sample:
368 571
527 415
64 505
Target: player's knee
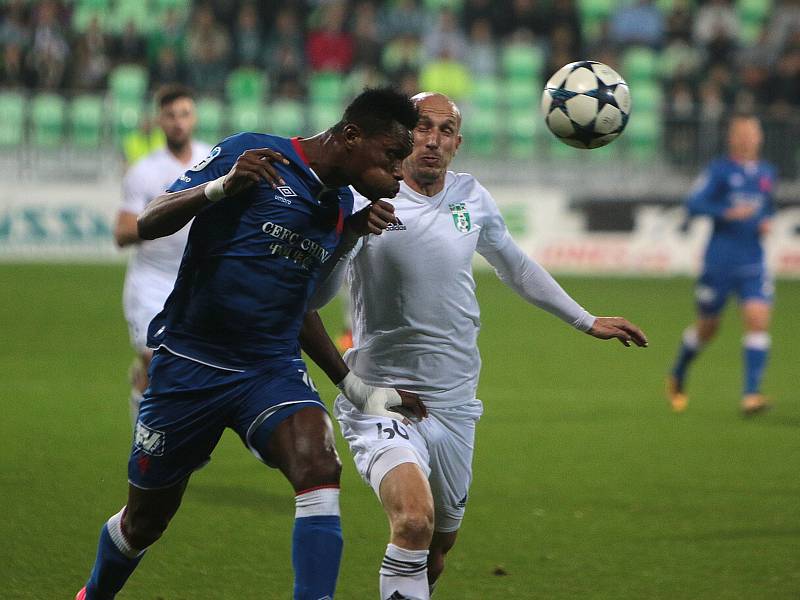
413 526
318 467
144 529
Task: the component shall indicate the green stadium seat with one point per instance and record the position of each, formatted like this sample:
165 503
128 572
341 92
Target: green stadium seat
643 134
246 86
648 96
481 130
321 116
522 94
287 118
83 15
246 116
162 6
437 5
326 87
137 11
485 92
209 120
12 119
639 64
85 117
47 120
593 14
753 11
128 83
522 61
125 118
750 32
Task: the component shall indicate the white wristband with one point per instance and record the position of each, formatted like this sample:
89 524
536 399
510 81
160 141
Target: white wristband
214 190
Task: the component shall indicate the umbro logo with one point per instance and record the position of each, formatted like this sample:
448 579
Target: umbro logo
396 226
286 191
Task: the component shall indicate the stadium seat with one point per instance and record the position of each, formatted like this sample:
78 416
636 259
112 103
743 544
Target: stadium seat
246 116
593 14
522 61
287 118
209 120
12 119
481 130
47 120
326 87
639 64
643 134
522 128
522 94
648 96
753 11
321 116
128 83
125 118
85 118
131 10
485 92
246 86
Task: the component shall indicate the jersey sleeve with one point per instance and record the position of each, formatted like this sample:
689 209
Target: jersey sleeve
493 234
706 197
219 161
134 193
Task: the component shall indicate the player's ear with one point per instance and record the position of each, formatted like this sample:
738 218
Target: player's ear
459 139
351 135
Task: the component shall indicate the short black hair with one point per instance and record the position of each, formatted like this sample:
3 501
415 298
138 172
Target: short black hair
375 110
168 93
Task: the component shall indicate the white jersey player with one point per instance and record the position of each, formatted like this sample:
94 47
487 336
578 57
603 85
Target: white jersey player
415 328
153 265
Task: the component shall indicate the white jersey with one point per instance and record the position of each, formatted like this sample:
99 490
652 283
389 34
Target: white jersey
153 264
415 315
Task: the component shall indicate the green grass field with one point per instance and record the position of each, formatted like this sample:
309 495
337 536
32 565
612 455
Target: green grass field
586 486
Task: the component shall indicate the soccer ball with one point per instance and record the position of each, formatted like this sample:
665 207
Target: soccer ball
586 104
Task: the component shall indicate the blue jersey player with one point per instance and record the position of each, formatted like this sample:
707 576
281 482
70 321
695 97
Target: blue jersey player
269 214
736 192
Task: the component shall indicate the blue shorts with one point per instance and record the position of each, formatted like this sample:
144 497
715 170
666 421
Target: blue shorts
188 405
748 283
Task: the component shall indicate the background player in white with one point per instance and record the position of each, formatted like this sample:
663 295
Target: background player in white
153 265
415 328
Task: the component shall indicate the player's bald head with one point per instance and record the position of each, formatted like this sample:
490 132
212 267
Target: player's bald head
434 102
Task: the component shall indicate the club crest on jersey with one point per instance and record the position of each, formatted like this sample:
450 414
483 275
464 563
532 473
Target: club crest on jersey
461 217
207 160
149 441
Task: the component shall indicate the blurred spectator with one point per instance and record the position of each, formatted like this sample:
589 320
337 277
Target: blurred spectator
564 15
680 60
403 17
785 22
130 47
637 23
680 100
784 85
447 76
475 10
401 55
288 89
247 37
330 47
445 38
14 30
482 58
169 32
716 28
712 101
208 49
49 50
523 14
13 72
362 77
679 22
92 61
366 37
409 83
283 55
564 49
168 68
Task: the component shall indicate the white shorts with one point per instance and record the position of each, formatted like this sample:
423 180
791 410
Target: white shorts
143 298
442 445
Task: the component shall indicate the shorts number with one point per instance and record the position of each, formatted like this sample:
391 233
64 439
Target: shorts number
391 431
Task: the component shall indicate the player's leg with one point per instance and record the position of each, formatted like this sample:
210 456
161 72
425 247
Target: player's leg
125 537
441 544
302 447
711 293
756 314
406 497
139 381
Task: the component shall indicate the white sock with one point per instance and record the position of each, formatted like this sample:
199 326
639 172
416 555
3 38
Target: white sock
114 526
404 574
135 400
691 339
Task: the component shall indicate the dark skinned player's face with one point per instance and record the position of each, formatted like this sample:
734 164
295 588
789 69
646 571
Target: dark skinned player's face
376 162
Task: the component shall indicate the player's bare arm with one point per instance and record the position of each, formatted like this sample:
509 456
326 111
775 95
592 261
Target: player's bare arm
606 328
170 212
126 230
315 341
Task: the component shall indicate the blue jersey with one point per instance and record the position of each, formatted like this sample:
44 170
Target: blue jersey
727 183
251 261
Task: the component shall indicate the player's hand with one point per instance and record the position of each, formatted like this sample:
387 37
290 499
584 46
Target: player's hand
741 212
252 167
765 226
372 219
412 407
381 402
626 332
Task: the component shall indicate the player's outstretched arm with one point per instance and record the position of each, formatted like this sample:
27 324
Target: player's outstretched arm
315 341
170 212
606 328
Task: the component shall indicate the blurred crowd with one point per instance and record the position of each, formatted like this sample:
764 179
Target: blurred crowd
706 59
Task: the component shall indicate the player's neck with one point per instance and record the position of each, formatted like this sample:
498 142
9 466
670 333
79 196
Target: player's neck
182 152
322 151
424 187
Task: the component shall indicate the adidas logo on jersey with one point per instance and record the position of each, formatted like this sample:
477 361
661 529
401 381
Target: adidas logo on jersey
396 226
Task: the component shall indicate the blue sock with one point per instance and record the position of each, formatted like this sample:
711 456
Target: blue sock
113 564
756 351
316 544
690 346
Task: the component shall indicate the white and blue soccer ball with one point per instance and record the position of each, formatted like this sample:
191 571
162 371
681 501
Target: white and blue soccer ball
586 104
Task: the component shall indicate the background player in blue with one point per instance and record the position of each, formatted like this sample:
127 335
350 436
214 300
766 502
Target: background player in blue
268 213
736 192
